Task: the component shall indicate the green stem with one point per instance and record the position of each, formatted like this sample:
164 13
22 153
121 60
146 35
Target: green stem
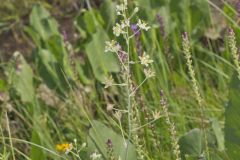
10 138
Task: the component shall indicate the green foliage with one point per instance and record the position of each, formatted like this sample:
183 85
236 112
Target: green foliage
42 23
51 54
98 137
101 62
191 143
217 130
23 80
36 152
82 96
232 118
3 85
108 13
90 25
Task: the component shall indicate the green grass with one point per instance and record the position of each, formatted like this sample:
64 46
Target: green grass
57 94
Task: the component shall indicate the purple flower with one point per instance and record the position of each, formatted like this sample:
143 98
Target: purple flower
137 36
161 25
185 36
122 54
135 30
161 93
109 143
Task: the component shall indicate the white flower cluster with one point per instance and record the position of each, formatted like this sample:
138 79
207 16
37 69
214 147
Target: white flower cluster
145 59
112 46
121 9
119 29
124 28
143 25
149 73
95 156
108 82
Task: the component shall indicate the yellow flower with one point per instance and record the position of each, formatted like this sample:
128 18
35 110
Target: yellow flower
64 147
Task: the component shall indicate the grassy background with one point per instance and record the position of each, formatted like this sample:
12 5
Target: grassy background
51 88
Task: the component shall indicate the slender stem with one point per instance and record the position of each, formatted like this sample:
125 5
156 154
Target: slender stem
10 137
122 84
34 144
121 62
75 155
152 121
120 123
132 93
135 33
129 108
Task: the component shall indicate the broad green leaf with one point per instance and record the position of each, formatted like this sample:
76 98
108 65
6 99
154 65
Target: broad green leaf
52 56
101 62
108 12
191 143
36 153
55 45
89 22
49 69
232 119
23 80
219 134
83 78
42 23
99 135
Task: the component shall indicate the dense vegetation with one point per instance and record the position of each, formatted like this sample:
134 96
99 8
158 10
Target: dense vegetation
119 80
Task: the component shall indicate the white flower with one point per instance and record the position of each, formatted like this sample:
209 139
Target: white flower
84 145
143 25
109 82
145 59
95 156
75 140
149 73
156 115
118 115
120 9
110 107
112 46
125 2
136 9
125 23
117 30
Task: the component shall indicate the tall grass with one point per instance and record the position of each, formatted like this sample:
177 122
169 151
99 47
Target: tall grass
74 101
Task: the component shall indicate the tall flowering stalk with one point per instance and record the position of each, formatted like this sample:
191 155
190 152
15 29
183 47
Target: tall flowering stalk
234 49
123 29
188 57
172 128
164 37
161 25
110 150
155 138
